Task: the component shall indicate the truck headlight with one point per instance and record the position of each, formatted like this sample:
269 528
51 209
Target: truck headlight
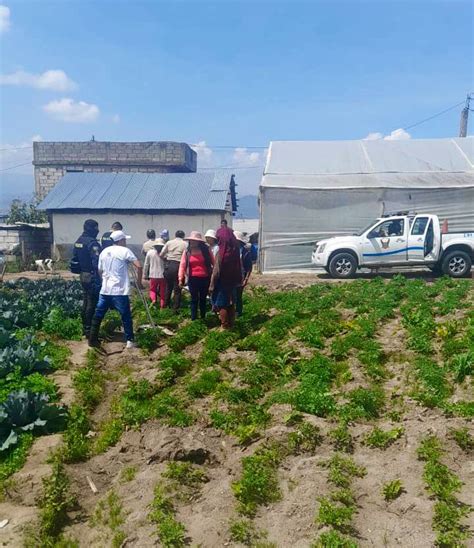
321 248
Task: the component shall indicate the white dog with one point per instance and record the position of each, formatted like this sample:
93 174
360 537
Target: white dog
44 265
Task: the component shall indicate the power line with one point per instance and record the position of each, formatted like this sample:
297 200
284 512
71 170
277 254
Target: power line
434 115
233 167
13 167
16 148
227 146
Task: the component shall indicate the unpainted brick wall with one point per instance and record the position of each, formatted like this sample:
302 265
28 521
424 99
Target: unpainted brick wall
53 159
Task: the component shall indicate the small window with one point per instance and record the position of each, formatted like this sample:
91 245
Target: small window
395 227
419 226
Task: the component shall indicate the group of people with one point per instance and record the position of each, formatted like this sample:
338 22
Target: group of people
215 267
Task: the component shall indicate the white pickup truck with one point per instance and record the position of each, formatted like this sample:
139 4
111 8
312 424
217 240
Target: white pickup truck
398 240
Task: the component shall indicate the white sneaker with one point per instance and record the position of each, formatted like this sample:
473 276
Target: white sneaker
130 344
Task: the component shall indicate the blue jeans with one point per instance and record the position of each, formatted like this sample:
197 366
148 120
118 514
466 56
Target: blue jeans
120 303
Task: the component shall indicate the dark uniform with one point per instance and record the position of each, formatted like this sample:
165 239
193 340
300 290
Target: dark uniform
86 252
106 240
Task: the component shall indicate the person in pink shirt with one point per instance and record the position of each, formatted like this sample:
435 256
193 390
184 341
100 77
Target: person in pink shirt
196 267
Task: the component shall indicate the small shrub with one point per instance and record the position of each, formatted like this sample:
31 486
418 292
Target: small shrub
383 439
392 490
55 502
342 438
259 482
76 444
57 323
305 439
170 531
334 515
333 539
463 438
207 383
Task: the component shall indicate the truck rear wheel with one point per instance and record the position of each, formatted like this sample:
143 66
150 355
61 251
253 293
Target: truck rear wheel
342 265
456 264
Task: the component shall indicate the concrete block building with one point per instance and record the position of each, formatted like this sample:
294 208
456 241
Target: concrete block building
52 160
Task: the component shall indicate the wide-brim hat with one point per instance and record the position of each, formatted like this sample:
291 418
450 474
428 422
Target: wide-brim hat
211 234
240 237
196 236
158 241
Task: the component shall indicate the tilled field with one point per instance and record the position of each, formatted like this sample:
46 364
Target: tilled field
334 415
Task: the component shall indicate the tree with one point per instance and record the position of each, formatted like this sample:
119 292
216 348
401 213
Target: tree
25 212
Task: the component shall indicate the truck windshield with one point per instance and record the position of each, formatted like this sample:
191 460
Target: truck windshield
366 228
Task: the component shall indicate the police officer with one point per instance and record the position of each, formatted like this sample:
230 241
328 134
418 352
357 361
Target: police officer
85 262
106 240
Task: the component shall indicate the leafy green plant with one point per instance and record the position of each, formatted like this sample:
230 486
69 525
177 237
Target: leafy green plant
148 339
76 444
463 438
462 365
54 502
342 438
364 403
59 324
162 513
342 470
245 532
172 366
392 489
28 412
382 439
187 335
89 381
128 474
305 439
185 474
205 384
259 482
13 459
109 513
334 539
334 515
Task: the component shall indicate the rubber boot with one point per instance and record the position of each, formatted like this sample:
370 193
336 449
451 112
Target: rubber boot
94 332
224 317
231 316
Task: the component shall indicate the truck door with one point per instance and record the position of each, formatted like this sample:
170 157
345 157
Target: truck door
423 242
386 243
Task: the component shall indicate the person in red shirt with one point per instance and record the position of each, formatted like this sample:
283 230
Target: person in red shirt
196 267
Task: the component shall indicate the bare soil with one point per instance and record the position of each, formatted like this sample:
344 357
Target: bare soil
290 522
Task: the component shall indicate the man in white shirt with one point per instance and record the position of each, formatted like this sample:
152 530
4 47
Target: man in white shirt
113 268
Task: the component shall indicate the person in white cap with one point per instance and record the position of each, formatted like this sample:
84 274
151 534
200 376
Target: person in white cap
246 263
211 239
113 267
196 267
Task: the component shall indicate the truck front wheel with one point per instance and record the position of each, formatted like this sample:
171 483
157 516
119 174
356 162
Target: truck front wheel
342 265
456 264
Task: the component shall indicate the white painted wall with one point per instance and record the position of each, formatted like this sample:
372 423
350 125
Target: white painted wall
67 227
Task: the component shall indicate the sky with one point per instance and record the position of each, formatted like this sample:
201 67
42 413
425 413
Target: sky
227 74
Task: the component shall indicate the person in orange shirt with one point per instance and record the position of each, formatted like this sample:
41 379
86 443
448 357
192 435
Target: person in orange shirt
196 267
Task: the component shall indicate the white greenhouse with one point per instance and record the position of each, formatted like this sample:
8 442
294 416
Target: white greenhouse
315 189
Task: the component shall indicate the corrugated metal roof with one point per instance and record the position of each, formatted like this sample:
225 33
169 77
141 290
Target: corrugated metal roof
140 191
365 163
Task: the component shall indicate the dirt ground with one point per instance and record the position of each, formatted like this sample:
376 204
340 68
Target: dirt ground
290 522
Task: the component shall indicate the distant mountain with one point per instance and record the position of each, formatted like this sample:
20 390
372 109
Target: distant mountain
248 207
15 185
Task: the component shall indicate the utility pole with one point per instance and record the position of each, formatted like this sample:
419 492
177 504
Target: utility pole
465 117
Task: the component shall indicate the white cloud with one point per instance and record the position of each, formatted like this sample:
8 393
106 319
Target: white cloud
4 19
54 80
396 135
243 156
116 119
204 154
68 110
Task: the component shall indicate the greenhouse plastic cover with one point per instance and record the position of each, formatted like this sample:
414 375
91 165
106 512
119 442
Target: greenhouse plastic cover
314 190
